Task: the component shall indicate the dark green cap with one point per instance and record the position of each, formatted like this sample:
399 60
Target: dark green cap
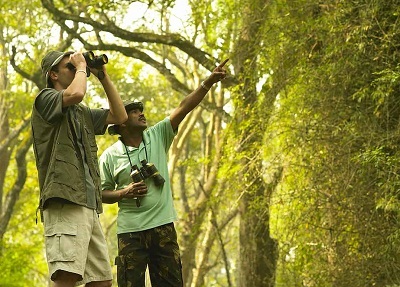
129 106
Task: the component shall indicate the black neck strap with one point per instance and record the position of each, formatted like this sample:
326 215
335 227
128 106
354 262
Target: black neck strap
127 152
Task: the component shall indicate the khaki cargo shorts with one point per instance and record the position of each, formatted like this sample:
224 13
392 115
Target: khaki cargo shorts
75 242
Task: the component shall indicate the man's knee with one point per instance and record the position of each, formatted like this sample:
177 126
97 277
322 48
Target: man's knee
62 277
100 284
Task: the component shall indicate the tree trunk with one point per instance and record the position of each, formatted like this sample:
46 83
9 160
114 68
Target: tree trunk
8 146
4 126
258 251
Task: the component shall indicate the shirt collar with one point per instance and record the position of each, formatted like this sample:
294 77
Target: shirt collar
122 149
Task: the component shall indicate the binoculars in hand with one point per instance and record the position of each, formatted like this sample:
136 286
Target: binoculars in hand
148 170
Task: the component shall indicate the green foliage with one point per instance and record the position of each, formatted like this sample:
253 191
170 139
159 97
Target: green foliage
318 102
19 267
21 254
335 125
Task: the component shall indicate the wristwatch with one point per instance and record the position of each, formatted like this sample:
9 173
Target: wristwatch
100 75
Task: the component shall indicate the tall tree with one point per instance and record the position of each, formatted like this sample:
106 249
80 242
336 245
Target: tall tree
13 144
258 250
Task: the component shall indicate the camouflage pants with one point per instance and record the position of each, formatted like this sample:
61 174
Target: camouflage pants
156 248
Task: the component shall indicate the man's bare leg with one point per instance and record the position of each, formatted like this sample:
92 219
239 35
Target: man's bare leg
66 279
99 284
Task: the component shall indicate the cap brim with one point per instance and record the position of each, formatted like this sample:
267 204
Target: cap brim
134 105
111 130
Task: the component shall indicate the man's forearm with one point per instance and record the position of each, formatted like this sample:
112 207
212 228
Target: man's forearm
117 110
111 196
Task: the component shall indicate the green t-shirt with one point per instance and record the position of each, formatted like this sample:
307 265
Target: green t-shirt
156 208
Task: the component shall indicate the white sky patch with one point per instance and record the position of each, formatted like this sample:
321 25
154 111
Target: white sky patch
261 82
180 14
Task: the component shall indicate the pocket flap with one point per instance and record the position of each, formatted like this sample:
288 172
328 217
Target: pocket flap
61 228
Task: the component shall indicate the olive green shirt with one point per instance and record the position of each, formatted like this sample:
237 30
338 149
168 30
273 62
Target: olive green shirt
65 149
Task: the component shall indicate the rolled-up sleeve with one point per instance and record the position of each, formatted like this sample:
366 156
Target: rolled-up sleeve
99 117
49 105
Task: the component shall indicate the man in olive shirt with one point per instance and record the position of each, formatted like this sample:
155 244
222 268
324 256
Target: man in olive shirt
65 149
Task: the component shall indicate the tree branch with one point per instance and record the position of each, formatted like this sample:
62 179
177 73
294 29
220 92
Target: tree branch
13 194
175 40
6 142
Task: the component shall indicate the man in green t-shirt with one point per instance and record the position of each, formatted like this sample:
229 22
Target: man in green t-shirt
146 232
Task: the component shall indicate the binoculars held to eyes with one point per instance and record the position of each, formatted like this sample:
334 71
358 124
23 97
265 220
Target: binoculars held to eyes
92 61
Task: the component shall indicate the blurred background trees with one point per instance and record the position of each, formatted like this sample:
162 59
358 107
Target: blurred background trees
285 175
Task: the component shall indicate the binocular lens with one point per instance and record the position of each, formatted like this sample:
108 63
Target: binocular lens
99 61
104 58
